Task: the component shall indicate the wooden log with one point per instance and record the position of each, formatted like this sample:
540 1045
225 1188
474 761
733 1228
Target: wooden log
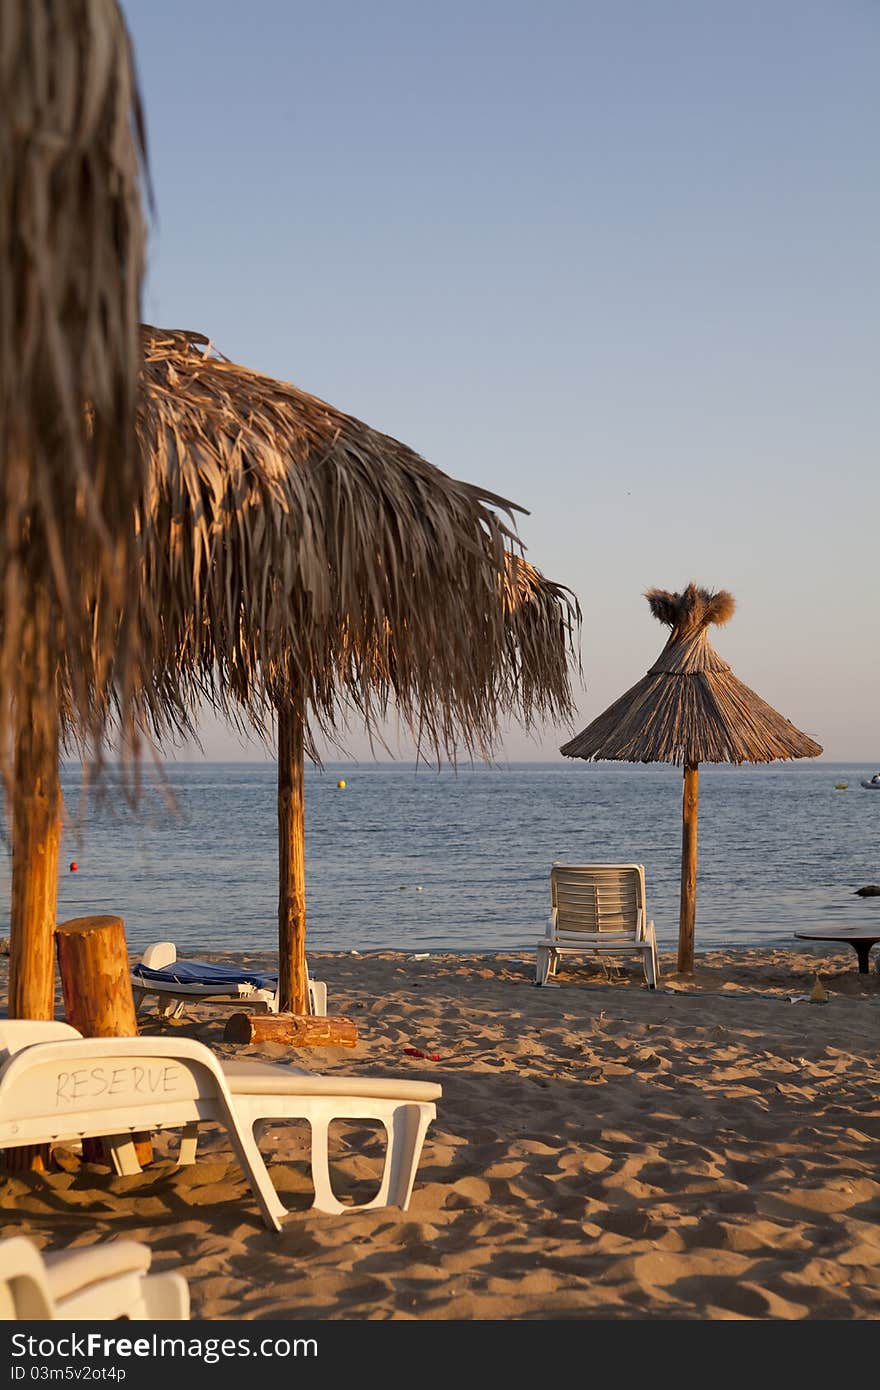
688 908
96 977
98 999
292 975
297 1030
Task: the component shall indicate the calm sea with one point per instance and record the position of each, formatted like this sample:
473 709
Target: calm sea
423 860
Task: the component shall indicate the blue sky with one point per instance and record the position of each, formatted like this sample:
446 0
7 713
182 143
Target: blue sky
616 261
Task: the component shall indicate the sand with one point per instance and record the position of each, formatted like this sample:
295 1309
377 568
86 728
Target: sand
710 1150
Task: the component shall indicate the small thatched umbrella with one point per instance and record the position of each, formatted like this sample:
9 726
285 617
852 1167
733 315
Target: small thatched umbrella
690 708
71 256
306 564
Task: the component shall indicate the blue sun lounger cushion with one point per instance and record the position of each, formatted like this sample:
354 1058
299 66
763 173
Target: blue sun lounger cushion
174 981
202 972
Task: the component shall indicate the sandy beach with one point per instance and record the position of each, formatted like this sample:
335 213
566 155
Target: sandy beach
710 1150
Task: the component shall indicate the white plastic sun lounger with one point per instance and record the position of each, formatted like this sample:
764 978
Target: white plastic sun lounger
176 983
600 908
96 1282
56 1087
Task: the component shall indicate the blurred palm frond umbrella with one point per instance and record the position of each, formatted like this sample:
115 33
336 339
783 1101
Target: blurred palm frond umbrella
71 258
308 565
690 708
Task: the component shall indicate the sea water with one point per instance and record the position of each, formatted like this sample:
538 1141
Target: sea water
425 860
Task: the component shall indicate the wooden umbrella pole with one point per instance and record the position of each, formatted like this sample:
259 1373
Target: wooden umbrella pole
35 835
36 818
36 828
292 989
688 912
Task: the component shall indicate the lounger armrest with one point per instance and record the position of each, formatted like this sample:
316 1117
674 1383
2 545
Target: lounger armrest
318 997
646 932
550 929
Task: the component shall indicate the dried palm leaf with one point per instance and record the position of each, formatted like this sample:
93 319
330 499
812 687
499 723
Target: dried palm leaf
690 707
71 257
291 551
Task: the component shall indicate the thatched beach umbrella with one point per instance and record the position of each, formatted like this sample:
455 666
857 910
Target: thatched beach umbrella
690 708
306 564
71 256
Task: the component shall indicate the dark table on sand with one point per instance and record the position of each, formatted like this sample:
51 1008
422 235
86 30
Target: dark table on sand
860 940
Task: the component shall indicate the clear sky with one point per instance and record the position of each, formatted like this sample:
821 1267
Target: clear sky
616 260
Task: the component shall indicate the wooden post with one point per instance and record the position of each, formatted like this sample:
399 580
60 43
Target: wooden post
688 912
36 820
36 814
292 987
96 982
297 1030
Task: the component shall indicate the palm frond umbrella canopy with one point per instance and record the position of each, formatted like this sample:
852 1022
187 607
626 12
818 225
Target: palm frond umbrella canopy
306 564
71 258
690 708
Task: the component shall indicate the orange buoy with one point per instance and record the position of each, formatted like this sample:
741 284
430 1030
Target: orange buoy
73 866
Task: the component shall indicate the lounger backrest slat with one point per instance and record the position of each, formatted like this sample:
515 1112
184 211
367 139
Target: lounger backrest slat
593 899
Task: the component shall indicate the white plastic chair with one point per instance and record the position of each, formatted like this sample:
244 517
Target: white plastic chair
97 1282
599 908
173 995
56 1087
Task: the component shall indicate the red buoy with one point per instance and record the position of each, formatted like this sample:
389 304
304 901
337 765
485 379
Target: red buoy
73 866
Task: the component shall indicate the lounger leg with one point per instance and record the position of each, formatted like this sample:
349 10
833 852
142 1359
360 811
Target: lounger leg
248 1154
139 997
189 1142
542 965
123 1154
325 1200
649 959
406 1136
406 1124
171 1008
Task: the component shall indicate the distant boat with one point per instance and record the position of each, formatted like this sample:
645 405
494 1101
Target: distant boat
841 786
873 783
